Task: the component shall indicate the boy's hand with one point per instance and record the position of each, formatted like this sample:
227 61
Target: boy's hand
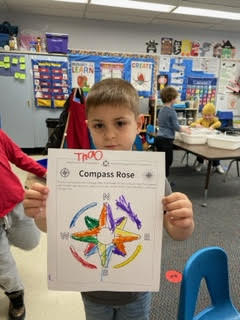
178 219
198 125
35 204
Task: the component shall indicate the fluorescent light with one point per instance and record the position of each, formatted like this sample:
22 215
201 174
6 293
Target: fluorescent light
150 6
74 1
207 13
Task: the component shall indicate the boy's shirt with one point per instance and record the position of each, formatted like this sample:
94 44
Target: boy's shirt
167 122
11 188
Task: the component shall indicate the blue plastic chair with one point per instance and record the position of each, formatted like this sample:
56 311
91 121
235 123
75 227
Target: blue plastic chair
138 144
150 132
209 263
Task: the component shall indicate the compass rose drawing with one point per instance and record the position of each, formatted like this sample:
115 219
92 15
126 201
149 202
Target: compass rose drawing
106 235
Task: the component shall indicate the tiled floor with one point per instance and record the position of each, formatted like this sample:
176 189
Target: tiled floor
41 304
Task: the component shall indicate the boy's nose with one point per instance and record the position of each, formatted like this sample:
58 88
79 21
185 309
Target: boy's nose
110 133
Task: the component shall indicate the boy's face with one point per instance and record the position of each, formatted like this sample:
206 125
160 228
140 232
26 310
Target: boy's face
113 128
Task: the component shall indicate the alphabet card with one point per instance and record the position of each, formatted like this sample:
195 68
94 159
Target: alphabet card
104 219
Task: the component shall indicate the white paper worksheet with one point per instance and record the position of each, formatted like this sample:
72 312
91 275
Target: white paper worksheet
104 219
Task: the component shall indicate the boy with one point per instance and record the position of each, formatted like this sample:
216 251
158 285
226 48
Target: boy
168 124
15 228
208 120
114 121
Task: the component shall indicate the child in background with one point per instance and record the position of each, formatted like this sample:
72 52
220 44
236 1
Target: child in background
114 121
15 228
208 120
168 125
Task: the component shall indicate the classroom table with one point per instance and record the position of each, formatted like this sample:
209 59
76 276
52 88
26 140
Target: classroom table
209 154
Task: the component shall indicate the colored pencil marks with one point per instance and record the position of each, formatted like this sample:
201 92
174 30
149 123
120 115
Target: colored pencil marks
106 235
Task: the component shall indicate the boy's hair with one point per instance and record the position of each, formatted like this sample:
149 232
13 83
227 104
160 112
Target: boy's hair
113 92
209 108
168 94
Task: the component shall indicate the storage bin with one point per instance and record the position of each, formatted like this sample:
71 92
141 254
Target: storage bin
4 39
194 138
57 43
224 142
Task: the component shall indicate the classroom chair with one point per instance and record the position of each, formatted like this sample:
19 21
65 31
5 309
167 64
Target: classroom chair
209 263
150 136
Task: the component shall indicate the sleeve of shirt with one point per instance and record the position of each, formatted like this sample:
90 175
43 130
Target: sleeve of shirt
216 124
196 122
16 156
175 123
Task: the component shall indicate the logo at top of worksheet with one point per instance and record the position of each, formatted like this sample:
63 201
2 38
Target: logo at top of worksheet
64 172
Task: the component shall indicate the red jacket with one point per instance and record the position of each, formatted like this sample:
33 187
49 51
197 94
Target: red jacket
12 191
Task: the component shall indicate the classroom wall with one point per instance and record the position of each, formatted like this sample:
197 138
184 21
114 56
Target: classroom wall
112 36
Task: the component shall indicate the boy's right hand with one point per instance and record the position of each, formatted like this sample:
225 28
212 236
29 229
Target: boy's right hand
35 204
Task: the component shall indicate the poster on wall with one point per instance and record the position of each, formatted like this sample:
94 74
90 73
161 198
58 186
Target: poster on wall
203 88
83 74
50 82
141 75
229 73
112 70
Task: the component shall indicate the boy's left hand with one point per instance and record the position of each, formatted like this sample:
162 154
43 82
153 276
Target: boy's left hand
178 219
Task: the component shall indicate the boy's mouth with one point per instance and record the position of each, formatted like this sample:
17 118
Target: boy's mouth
111 147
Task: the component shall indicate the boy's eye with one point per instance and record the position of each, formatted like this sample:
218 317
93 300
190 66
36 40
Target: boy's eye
98 126
121 123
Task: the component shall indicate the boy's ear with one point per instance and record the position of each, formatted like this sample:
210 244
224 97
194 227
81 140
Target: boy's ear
140 120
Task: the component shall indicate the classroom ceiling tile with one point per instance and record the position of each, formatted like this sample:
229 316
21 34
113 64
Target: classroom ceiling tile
121 12
88 11
186 24
115 17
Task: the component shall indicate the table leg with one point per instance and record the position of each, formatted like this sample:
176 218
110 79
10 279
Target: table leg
207 183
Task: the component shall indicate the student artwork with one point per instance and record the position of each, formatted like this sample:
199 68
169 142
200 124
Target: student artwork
166 45
141 75
151 46
83 74
186 48
106 236
105 222
50 82
164 64
177 47
228 77
112 70
206 49
228 51
217 50
195 49
162 81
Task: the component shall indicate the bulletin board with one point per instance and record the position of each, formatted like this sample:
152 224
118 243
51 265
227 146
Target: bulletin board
89 67
191 76
13 66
